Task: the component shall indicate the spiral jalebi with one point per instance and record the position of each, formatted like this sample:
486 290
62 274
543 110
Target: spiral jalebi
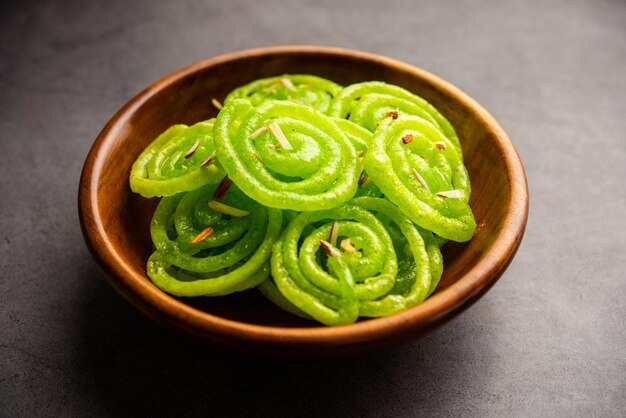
370 102
303 89
285 155
427 181
359 276
204 250
179 160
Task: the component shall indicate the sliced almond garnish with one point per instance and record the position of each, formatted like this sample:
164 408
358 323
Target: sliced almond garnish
227 210
329 249
421 180
347 246
451 194
441 145
360 153
364 181
193 149
334 233
222 188
393 114
216 103
280 136
255 134
203 235
287 83
209 160
258 157
407 139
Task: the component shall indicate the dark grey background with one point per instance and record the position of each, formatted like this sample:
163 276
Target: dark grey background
548 339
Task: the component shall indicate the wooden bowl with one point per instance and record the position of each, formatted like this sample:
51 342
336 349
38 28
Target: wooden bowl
115 221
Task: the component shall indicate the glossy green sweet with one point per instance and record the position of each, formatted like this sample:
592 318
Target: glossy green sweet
320 171
420 263
308 90
393 165
163 170
370 102
235 257
305 153
338 289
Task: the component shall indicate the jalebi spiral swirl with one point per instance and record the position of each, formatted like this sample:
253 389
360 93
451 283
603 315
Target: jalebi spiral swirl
420 170
339 264
285 155
307 90
179 160
369 102
207 245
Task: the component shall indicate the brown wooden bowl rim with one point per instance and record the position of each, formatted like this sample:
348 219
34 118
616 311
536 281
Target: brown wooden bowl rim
432 311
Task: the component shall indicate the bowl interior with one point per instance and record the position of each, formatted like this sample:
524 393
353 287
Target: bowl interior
126 216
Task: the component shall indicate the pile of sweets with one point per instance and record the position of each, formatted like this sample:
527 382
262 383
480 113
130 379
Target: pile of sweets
332 201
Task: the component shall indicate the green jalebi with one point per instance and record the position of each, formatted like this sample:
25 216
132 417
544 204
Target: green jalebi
179 160
307 90
370 102
232 257
422 172
285 155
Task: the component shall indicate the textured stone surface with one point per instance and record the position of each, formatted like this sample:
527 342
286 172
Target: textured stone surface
548 339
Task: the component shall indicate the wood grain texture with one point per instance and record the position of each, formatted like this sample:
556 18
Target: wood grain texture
115 221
